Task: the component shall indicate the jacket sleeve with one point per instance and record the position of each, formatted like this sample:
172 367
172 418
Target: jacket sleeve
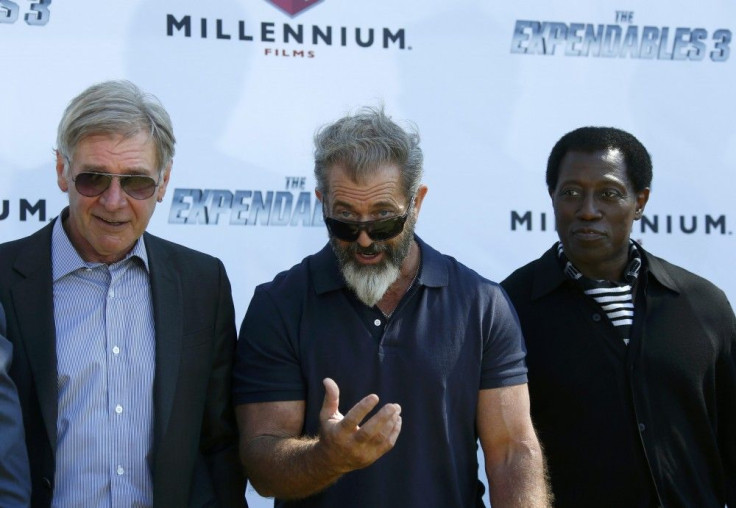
15 480
219 442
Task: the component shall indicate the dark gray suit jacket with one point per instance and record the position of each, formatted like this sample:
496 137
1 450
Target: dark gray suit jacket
195 456
15 480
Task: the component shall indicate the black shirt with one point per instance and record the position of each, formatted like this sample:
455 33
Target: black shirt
651 424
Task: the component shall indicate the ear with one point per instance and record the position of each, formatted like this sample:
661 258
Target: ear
419 198
164 182
641 201
61 180
318 194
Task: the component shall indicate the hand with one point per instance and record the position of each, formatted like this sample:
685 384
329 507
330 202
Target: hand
346 444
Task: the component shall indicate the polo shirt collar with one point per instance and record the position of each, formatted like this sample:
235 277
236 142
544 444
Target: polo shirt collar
548 276
325 270
65 259
434 271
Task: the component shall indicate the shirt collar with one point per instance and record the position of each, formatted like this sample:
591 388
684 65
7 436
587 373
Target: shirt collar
548 274
65 259
325 269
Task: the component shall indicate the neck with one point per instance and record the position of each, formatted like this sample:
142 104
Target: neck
409 270
612 270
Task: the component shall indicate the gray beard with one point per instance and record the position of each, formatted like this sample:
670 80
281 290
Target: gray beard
370 282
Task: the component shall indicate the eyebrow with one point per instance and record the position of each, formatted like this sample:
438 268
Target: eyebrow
92 168
376 206
603 181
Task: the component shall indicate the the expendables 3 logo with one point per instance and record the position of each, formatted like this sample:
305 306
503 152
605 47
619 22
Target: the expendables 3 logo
620 40
35 13
293 206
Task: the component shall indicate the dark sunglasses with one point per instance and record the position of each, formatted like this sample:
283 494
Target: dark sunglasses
93 184
378 230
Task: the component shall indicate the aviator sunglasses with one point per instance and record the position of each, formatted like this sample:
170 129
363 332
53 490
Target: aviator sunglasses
93 184
377 230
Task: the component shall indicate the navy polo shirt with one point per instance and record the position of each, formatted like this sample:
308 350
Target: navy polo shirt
452 335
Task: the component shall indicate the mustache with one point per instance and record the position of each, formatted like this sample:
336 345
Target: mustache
371 250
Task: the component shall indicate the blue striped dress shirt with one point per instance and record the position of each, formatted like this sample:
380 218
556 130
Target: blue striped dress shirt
105 348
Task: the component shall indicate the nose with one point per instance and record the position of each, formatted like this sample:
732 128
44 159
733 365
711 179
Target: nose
588 208
363 239
114 196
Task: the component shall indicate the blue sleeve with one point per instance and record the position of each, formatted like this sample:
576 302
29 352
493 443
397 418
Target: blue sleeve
15 477
267 366
504 351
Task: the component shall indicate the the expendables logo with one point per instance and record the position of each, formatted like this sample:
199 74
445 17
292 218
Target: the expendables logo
620 40
293 206
35 13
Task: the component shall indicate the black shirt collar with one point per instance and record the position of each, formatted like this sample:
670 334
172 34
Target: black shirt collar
548 275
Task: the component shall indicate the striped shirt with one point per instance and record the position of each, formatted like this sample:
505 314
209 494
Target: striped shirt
615 299
616 302
105 348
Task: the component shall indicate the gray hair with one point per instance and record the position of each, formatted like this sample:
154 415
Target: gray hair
116 107
364 141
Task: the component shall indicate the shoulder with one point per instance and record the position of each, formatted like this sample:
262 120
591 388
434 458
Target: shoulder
521 277
39 238
683 281
520 282
295 281
158 247
26 255
199 274
443 271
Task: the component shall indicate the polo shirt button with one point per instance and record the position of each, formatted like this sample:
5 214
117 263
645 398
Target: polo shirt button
377 322
596 317
642 427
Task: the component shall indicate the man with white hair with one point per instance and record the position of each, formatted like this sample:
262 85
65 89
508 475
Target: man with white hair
123 342
379 314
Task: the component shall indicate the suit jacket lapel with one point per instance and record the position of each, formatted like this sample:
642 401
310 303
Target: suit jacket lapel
167 316
33 302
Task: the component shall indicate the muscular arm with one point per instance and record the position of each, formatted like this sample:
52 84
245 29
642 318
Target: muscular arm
513 457
281 463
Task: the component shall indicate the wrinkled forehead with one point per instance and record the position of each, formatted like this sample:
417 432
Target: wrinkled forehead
342 178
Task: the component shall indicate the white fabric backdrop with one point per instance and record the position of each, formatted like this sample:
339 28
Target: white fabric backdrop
490 85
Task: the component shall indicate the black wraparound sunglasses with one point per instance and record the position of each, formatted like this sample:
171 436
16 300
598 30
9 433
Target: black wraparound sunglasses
378 230
92 184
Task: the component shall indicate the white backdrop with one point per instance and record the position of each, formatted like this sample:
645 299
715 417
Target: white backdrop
490 85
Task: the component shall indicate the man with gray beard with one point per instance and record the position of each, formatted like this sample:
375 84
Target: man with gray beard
380 315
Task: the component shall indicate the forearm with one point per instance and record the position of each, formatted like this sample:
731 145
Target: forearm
287 467
520 480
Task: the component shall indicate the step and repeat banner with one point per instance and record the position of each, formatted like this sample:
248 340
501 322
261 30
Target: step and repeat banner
490 85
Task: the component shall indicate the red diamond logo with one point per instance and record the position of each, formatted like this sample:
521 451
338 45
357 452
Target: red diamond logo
293 7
